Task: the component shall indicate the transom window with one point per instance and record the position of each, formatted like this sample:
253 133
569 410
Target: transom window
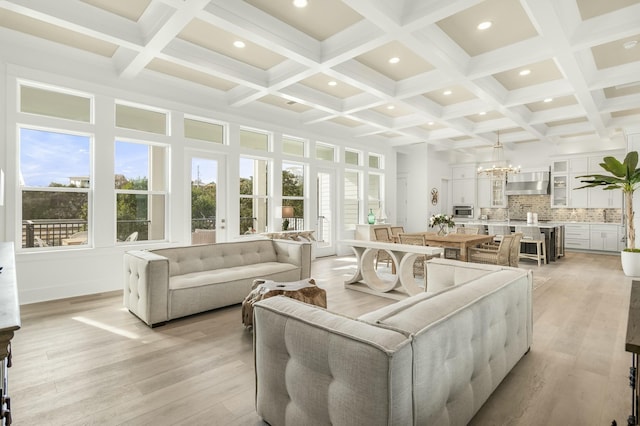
293 146
203 130
375 161
352 157
325 152
257 141
140 118
55 103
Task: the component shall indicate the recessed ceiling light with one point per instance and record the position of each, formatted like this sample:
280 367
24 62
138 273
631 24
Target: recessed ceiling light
332 83
394 60
525 72
390 107
239 44
430 123
482 113
630 44
447 92
548 100
484 25
300 3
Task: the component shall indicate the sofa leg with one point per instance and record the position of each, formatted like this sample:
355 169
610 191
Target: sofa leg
158 324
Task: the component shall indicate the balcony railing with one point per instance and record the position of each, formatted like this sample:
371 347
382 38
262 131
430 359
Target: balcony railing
49 232
203 223
52 232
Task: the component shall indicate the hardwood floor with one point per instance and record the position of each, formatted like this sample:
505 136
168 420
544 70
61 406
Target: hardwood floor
88 361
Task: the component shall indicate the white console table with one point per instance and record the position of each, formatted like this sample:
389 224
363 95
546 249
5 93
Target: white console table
9 323
403 255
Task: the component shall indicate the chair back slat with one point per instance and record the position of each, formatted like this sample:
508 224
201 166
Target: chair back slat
382 234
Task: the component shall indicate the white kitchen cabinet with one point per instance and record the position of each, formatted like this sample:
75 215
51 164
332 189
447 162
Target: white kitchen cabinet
564 193
463 192
595 160
578 165
601 199
484 193
578 198
463 184
570 165
466 171
604 237
559 190
490 192
577 236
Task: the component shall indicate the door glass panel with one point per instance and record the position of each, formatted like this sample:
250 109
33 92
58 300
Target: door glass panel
325 220
204 185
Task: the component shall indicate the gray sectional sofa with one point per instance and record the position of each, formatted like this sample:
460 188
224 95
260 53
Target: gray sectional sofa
431 359
165 284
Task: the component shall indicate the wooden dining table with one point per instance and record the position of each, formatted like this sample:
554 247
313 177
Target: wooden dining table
457 241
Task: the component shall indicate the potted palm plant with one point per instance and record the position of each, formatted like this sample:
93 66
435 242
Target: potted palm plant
624 176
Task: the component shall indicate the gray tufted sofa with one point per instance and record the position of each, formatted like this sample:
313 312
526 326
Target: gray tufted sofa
431 359
164 284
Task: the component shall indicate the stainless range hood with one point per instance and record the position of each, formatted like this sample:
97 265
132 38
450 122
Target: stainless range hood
528 183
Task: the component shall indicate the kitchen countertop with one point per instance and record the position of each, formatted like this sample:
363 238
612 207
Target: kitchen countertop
524 222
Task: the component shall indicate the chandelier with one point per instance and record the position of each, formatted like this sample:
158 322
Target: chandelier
499 168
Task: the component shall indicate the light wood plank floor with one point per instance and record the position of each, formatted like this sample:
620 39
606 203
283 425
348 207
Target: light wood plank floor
87 361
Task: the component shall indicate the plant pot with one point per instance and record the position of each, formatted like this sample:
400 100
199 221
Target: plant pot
630 263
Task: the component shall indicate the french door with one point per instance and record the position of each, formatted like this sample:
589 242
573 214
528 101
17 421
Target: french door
207 194
326 223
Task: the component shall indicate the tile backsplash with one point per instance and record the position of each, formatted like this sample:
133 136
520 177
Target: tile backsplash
519 205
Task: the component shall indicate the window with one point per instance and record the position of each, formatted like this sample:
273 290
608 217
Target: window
351 198
352 157
55 103
140 183
292 196
325 152
55 181
374 201
136 118
254 185
203 130
375 161
254 140
293 146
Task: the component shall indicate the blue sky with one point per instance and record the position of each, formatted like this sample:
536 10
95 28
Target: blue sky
47 157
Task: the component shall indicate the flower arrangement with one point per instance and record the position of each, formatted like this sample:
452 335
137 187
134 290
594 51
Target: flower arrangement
441 219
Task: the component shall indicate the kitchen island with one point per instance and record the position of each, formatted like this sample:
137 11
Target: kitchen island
553 234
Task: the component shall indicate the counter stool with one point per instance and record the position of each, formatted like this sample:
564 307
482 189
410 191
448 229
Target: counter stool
532 235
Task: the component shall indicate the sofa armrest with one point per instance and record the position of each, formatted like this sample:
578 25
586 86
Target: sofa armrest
316 367
295 252
146 286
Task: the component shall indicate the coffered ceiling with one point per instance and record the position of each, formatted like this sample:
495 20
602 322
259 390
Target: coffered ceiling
545 71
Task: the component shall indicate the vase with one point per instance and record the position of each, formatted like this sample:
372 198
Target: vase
630 263
442 229
371 217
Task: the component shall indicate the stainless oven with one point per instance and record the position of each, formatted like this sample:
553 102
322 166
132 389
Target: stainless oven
463 211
